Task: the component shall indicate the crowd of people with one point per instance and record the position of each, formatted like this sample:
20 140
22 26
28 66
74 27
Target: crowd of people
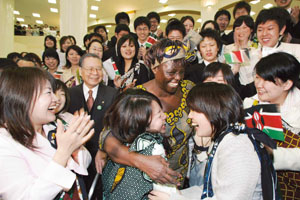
35 30
148 115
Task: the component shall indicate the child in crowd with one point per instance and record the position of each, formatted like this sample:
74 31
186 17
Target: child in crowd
137 120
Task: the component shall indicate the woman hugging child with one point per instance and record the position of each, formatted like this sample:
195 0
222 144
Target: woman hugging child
136 119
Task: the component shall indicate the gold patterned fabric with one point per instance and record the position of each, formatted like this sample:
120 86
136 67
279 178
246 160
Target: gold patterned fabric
178 131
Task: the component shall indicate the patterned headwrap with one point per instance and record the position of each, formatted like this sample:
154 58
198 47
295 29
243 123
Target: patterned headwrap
172 52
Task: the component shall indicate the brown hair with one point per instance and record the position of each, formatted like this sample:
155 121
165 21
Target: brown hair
19 88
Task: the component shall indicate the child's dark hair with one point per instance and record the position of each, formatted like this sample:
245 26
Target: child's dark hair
130 114
212 69
59 85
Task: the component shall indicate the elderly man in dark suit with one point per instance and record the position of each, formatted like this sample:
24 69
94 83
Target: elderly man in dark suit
94 98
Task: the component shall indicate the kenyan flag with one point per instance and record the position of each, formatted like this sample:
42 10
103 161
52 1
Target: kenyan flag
265 117
115 67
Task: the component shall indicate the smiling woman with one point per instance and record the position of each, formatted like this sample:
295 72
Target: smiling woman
29 163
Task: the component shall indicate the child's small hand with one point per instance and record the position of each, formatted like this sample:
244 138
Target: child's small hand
100 161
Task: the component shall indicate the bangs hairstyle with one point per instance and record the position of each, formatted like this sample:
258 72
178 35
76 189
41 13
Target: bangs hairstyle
130 114
209 33
75 48
219 103
175 25
51 38
279 65
212 69
157 52
122 40
91 42
50 52
214 23
16 99
244 19
59 85
62 40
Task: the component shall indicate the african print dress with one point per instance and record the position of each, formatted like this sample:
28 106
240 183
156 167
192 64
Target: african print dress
178 132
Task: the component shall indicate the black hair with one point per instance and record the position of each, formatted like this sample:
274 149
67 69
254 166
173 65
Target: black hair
122 15
240 5
215 24
177 25
94 40
153 15
75 48
220 103
209 33
96 35
50 52
13 55
141 20
279 65
86 38
279 15
188 17
59 85
51 38
130 114
120 60
96 29
6 63
122 27
247 20
34 58
72 38
62 41
213 68
222 12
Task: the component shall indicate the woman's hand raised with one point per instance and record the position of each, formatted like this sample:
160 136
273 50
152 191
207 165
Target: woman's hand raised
78 132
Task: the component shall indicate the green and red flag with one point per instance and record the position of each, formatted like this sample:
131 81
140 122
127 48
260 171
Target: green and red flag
265 117
152 38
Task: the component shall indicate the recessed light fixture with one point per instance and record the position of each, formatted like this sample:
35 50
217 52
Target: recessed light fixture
36 15
39 21
55 10
97 0
199 20
163 1
16 12
108 26
254 1
163 21
107 31
94 7
52 1
24 25
171 14
93 16
252 13
268 5
20 19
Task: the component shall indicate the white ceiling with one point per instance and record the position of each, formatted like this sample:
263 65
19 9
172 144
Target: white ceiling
107 9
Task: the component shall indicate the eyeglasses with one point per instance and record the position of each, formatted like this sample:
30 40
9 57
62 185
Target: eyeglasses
142 29
92 69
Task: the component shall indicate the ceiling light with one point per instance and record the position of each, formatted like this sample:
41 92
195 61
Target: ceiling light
16 12
171 14
97 0
163 21
93 16
39 21
108 26
254 1
52 1
163 1
94 7
55 10
107 31
36 15
268 5
20 19
24 25
252 13
199 20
